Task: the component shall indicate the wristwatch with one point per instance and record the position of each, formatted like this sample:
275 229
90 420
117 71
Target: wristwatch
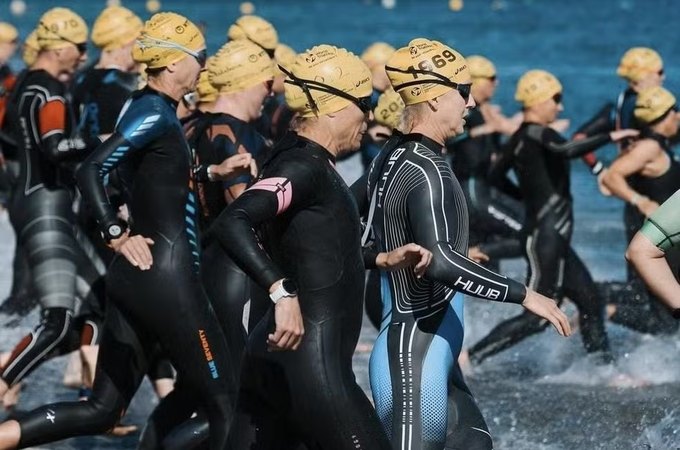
676 313
287 288
114 231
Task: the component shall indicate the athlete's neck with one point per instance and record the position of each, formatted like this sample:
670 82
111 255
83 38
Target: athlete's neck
226 105
533 117
430 131
321 136
115 59
47 65
165 86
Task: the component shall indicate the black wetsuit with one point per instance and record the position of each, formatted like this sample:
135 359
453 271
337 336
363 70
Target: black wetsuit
41 212
311 231
540 158
496 217
165 304
214 138
276 118
645 313
418 389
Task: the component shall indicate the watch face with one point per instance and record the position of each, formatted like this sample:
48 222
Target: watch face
115 230
289 286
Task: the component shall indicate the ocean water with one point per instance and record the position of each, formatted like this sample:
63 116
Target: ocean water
543 393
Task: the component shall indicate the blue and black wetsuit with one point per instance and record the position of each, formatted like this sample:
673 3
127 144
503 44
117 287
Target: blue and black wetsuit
418 389
310 229
166 304
496 216
540 158
40 118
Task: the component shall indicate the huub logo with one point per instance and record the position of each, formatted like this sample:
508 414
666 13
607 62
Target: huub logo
310 58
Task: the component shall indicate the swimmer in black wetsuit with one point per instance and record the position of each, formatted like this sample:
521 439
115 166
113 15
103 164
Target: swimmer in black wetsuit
243 83
645 176
41 206
496 216
540 157
312 267
418 390
154 282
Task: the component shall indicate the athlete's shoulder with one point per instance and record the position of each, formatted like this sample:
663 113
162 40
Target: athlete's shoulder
145 116
41 82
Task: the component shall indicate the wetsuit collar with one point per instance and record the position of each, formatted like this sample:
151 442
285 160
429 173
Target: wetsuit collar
663 141
315 148
426 141
172 102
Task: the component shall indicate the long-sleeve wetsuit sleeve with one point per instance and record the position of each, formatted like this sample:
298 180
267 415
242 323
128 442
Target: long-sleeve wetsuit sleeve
435 218
359 190
601 123
54 143
556 143
663 226
140 125
289 187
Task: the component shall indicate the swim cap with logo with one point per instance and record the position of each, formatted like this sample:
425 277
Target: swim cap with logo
8 33
239 65
167 38
115 27
255 29
322 80
389 108
637 62
31 49
480 67
284 56
60 28
377 54
426 69
653 104
536 86
206 92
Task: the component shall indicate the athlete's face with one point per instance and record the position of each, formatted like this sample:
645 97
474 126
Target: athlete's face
484 88
650 79
186 73
670 124
7 49
451 111
352 124
254 97
70 58
548 110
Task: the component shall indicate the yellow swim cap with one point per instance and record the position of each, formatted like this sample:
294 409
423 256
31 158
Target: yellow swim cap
167 38
426 69
59 28
255 29
31 49
536 86
284 56
653 103
325 79
637 62
115 27
207 93
7 32
377 54
480 67
239 65
389 109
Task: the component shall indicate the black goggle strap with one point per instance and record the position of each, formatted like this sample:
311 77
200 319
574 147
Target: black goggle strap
307 85
461 87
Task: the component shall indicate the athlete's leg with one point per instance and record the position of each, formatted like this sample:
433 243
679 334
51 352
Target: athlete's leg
467 429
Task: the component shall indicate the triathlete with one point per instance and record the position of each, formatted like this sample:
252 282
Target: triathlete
154 282
647 252
496 217
540 158
312 268
414 196
41 208
242 73
645 176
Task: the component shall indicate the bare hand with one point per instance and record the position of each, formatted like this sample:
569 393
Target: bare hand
289 325
235 166
646 206
560 125
604 190
475 254
623 134
136 249
546 308
406 256
123 212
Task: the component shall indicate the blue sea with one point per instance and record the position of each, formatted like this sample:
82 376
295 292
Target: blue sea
543 393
